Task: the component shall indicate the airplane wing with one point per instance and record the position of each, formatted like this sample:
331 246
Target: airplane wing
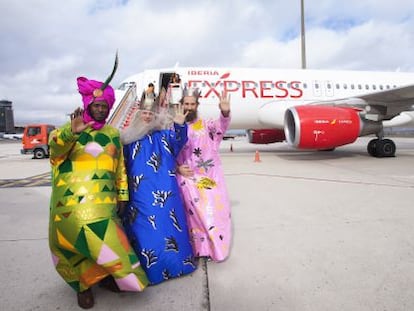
396 104
383 105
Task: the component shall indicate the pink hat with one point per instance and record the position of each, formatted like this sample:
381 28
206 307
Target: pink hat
91 91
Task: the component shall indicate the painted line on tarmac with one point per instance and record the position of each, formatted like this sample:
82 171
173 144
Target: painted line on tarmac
41 180
354 182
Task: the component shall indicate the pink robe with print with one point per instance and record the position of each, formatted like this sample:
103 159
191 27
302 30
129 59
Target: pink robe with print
205 194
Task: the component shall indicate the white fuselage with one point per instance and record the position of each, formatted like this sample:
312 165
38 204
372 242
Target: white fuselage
260 97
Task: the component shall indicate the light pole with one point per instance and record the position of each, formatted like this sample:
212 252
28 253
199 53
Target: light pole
302 19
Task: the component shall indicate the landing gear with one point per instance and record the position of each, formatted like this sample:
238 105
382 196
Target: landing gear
381 148
372 147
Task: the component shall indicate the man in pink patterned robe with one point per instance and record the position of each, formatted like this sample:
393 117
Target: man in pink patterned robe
202 182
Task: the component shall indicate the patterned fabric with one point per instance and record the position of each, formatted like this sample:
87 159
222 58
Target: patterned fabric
205 195
155 219
86 237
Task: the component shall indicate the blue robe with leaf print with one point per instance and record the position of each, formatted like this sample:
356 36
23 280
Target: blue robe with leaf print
154 218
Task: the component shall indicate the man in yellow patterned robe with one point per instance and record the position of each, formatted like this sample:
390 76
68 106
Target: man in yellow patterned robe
89 184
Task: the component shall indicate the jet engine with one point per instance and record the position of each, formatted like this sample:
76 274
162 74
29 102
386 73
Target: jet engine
265 136
321 127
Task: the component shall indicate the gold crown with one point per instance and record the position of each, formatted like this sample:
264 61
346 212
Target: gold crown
148 103
191 91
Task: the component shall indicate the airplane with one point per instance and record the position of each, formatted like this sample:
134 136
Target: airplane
310 109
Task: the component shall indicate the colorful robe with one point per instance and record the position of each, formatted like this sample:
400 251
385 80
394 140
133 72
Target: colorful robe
155 219
205 195
86 237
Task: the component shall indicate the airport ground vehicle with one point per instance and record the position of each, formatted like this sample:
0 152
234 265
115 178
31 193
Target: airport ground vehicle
35 140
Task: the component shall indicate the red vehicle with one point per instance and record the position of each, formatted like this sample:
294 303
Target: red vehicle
35 140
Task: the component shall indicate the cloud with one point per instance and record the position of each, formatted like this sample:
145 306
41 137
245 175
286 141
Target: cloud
50 43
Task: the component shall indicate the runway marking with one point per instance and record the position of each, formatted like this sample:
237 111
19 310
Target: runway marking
321 180
41 180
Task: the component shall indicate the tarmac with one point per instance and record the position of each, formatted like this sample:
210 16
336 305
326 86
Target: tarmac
311 231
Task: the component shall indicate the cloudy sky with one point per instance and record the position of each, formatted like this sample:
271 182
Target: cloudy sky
46 44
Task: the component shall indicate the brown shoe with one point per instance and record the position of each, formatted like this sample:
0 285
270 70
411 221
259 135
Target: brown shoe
110 284
85 299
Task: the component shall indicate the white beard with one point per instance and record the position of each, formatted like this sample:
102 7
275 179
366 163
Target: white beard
138 128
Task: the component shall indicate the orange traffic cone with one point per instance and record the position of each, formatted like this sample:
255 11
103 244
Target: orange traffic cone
257 156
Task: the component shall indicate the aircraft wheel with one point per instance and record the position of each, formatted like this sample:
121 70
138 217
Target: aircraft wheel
372 147
385 148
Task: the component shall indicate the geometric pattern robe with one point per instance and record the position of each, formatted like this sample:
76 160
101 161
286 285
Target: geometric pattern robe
86 237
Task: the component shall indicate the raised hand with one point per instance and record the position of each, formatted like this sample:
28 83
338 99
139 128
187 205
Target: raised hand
77 123
180 116
224 104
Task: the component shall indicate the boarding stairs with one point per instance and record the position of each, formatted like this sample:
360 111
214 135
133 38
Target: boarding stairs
125 109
